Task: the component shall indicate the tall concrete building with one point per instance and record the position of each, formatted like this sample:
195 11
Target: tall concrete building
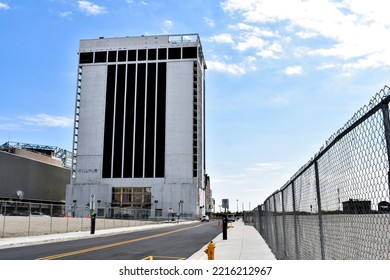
139 137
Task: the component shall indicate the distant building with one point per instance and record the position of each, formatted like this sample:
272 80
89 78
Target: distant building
209 199
139 125
33 173
354 206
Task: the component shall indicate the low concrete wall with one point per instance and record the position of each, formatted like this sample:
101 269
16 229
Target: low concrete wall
27 226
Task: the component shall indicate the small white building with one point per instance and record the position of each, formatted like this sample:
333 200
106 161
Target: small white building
139 137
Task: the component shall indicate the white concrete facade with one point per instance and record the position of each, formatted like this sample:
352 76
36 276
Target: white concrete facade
178 190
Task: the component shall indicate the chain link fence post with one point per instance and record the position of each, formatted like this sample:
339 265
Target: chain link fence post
295 221
321 229
284 228
386 124
276 234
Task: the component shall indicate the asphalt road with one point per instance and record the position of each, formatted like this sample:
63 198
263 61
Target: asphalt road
172 243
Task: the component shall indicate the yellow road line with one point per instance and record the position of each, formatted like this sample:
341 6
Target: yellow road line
151 258
112 244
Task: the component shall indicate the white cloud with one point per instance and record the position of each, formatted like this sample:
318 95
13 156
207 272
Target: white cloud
271 51
266 166
251 42
293 70
218 66
356 32
278 100
65 14
210 22
326 66
4 6
241 26
306 34
90 8
168 24
222 38
254 30
252 37
47 120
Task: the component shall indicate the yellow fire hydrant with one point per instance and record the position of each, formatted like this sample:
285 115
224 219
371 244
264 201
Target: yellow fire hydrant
210 251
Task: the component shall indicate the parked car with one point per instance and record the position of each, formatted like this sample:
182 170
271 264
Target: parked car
16 213
127 216
230 218
205 218
38 214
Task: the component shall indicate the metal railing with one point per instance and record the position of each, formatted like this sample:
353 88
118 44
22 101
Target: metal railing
18 218
337 205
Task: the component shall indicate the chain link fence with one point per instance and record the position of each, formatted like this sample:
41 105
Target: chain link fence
18 218
337 206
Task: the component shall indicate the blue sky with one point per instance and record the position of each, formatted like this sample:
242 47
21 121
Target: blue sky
283 75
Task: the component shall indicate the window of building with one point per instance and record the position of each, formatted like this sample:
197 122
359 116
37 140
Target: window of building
132 55
86 57
174 53
162 54
100 57
152 54
112 56
190 52
122 56
141 54
133 197
140 122
109 121
134 129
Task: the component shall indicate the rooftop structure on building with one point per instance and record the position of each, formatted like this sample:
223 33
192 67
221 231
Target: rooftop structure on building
44 153
33 173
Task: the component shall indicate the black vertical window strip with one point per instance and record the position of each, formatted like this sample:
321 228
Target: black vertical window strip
129 123
139 122
150 117
195 122
160 125
119 111
109 121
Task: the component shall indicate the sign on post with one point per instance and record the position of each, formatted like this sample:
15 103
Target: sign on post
225 203
92 213
92 205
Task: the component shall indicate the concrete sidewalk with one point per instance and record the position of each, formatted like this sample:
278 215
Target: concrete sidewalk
243 243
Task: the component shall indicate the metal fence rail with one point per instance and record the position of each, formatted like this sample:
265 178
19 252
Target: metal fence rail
337 205
18 218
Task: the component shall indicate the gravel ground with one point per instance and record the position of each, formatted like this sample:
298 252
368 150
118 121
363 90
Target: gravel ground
26 226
